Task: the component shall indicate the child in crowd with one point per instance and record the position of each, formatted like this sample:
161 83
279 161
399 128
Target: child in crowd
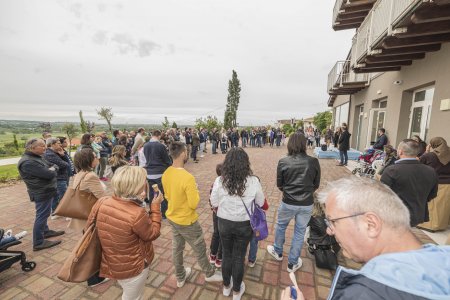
8 237
253 249
215 256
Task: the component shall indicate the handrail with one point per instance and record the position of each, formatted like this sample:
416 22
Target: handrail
336 10
342 73
379 23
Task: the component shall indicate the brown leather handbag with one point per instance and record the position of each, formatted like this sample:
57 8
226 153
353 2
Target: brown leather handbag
76 204
85 259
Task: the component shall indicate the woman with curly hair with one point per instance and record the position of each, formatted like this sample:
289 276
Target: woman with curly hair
235 188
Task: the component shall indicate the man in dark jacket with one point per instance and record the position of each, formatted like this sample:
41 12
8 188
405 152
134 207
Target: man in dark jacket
415 183
54 154
298 177
158 161
382 140
344 145
40 178
371 225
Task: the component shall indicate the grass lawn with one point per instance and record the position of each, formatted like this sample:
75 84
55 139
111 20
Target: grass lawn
8 172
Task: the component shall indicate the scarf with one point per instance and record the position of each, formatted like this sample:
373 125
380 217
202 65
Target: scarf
441 149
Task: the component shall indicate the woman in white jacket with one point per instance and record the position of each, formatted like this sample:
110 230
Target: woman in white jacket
235 188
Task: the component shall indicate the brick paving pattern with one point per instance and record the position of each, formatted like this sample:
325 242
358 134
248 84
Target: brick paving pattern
264 281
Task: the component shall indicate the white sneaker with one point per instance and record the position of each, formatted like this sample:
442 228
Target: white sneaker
20 235
54 217
274 254
68 219
217 276
227 291
8 233
251 264
241 292
293 268
188 271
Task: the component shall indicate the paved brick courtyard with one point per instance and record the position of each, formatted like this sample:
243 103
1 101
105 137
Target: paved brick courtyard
264 281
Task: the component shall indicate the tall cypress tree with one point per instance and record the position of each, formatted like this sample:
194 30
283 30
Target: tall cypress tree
234 90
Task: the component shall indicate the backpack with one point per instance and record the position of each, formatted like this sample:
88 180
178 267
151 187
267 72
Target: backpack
257 221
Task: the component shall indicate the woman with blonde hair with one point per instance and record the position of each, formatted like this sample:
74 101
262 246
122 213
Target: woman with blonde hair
117 158
126 230
437 156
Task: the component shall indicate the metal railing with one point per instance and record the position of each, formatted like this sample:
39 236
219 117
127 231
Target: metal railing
379 23
336 10
342 73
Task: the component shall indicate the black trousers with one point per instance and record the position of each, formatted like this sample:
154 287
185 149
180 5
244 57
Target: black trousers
164 204
235 237
216 244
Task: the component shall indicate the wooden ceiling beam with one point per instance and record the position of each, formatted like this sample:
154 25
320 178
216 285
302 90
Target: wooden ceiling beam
431 14
375 59
434 28
393 42
375 70
388 64
410 50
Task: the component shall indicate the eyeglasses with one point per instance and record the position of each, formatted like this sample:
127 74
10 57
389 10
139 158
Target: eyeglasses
330 222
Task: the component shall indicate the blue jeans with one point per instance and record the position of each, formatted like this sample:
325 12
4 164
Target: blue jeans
344 156
253 250
244 142
286 213
61 188
43 206
214 146
7 240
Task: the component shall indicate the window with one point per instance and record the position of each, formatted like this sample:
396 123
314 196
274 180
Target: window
341 114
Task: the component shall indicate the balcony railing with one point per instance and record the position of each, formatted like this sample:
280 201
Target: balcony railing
337 9
342 77
380 22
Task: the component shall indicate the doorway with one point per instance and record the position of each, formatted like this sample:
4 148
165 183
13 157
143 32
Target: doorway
377 118
419 119
360 115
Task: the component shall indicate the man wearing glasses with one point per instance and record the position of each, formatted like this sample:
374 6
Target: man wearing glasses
40 178
372 226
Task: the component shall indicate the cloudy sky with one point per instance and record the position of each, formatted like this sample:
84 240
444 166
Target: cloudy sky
149 59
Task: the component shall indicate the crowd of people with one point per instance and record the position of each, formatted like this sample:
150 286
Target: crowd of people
371 221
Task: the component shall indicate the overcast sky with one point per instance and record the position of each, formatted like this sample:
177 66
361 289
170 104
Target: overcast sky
150 59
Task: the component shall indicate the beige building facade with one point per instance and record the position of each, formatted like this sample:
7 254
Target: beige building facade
407 94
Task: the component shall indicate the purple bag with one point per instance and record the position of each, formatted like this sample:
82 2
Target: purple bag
257 221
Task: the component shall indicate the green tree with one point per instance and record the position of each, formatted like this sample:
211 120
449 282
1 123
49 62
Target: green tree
174 125
210 122
233 98
71 131
165 124
16 144
322 120
45 126
105 113
83 124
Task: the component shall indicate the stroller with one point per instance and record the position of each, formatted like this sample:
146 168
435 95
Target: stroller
8 258
365 167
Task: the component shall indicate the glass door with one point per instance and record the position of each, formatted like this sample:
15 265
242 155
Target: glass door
360 120
376 121
419 119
